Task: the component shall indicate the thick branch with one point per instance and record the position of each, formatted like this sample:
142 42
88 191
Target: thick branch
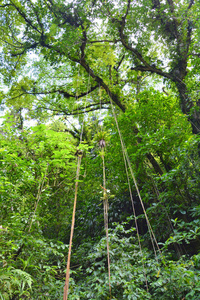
155 164
5 5
152 69
119 63
81 95
22 94
149 156
65 94
113 96
75 134
190 4
147 66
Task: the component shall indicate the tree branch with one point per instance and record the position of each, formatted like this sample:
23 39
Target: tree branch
5 5
37 16
190 4
12 45
113 96
18 96
82 94
146 66
127 9
152 69
65 94
103 41
28 21
87 111
75 134
119 63
78 111
26 48
92 106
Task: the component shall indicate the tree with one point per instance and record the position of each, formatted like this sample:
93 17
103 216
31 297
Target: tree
62 60
112 42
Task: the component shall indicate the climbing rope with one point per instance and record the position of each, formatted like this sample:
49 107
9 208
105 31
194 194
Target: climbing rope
124 150
135 218
79 155
66 287
105 207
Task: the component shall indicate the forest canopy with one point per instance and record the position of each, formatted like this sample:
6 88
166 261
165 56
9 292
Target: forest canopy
100 104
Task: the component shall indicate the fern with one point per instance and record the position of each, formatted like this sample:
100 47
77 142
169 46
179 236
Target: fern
13 281
23 277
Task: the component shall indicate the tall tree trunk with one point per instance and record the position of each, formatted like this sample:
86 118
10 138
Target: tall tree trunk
189 108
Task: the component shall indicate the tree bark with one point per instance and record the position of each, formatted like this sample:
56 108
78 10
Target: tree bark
188 107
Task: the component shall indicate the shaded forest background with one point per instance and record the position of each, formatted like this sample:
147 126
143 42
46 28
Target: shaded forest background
74 74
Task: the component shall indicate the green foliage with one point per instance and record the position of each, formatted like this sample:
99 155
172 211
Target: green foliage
62 65
168 280
25 268
46 158
14 282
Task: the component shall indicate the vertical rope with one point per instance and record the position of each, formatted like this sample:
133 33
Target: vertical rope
105 207
79 155
135 218
152 236
66 288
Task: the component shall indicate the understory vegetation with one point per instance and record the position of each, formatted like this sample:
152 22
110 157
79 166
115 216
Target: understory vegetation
115 87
